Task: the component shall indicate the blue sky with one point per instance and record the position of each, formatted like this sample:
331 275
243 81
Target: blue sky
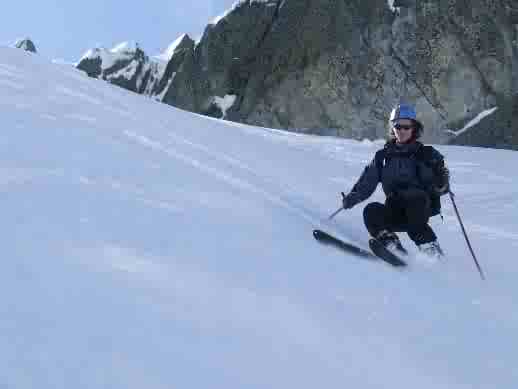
65 29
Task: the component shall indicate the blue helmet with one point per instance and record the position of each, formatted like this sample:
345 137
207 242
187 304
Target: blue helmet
403 111
406 111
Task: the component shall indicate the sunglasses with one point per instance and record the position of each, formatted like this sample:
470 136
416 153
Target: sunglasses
405 127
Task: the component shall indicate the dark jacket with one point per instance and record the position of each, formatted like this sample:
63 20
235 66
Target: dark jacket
401 167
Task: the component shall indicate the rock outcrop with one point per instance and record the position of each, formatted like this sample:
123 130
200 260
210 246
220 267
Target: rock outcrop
337 67
25 44
126 65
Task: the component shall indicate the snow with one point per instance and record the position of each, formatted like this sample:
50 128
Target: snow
108 59
146 67
128 72
225 103
124 50
125 47
474 121
217 19
64 62
160 96
149 247
392 7
168 53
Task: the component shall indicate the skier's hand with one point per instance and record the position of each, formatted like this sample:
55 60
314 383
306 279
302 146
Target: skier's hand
346 203
441 190
442 182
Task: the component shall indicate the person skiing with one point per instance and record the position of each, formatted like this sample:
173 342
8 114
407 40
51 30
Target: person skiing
413 177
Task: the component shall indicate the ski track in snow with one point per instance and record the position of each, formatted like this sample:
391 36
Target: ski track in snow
83 96
82 118
221 175
288 192
48 117
11 84
20 176
10 71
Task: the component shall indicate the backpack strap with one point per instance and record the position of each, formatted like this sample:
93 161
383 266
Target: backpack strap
424 154
380 161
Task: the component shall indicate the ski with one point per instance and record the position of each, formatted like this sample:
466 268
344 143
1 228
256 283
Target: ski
324 237
380 252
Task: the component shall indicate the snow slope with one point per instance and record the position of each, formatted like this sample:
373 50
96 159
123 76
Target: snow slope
148 247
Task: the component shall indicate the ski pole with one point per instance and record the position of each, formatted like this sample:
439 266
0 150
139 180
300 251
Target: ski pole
465 234
338 210
336 213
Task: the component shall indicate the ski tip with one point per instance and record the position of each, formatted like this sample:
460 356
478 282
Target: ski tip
318 234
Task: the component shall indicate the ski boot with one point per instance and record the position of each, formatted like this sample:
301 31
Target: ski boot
391 242
432 249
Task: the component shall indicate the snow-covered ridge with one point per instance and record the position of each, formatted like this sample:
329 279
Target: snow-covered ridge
239 3
168 53
128 46
125 65
109 57
128 66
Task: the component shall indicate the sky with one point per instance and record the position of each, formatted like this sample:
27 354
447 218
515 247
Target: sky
64 29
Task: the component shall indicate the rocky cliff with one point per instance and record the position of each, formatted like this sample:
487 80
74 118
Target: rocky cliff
337 67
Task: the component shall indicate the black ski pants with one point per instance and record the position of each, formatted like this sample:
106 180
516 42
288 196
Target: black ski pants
408 211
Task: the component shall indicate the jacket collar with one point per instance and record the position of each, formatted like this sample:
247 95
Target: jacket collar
393 147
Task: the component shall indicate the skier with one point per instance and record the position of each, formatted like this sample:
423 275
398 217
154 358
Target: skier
413 177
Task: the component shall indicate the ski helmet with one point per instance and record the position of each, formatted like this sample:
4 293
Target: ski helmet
406 111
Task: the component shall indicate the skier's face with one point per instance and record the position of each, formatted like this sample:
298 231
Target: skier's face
403 130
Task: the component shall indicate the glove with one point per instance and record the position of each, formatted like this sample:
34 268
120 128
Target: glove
442 182
346 203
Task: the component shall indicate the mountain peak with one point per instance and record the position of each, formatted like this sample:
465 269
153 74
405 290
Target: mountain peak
181 42
125 47
25 44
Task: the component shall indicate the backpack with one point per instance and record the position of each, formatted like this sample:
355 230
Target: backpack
423 154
